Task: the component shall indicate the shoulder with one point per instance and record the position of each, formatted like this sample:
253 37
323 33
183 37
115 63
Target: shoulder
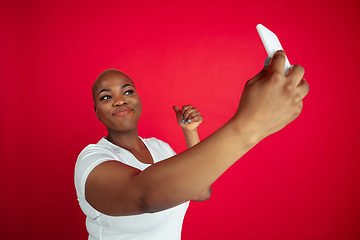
91 156
159 145
156 143
99 148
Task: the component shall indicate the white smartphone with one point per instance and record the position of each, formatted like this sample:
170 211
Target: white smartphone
271 44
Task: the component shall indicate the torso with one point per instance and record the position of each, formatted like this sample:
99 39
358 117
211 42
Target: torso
144 155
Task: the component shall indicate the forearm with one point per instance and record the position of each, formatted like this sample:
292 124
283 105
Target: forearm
191 137
186 175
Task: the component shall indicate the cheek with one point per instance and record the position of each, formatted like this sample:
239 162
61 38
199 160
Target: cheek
138 103
100 111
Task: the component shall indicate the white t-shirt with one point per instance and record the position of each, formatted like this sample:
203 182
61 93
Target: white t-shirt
163 225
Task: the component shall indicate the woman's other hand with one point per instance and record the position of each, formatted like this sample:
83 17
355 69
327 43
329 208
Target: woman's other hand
189 117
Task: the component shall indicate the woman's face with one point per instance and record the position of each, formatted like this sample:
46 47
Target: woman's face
117 104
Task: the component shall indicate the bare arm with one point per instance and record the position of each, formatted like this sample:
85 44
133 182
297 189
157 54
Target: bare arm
268 103
189 118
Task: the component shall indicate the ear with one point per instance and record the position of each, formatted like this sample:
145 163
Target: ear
95 109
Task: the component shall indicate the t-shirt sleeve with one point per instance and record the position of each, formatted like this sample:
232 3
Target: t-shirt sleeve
169 149
88 159
164 151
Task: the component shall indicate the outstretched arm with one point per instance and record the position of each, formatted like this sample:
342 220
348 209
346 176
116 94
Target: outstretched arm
268 103
189 118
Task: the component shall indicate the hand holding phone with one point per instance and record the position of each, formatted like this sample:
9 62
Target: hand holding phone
271 44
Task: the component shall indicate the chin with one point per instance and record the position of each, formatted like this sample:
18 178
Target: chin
123 128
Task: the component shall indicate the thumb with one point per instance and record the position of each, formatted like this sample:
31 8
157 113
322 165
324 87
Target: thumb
177 111
262 73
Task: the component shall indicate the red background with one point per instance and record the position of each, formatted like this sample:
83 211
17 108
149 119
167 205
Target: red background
300 183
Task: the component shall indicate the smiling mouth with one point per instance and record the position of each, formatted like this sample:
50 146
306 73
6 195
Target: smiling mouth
122 112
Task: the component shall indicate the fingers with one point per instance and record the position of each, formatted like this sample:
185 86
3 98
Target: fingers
264 71
296 74
278 62
190 114
302 88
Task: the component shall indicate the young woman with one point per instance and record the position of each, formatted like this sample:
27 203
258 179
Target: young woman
134 188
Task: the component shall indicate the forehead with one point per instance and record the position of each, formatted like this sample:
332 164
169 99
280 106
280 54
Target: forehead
112 80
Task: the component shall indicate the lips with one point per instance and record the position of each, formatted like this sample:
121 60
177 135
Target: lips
122 112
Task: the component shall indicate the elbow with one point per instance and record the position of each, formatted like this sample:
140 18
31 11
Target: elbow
145 205
204 196
207 195
157 204
150 204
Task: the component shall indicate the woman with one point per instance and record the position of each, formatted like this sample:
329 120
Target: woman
132 188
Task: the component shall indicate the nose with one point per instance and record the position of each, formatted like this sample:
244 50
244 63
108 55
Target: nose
119 101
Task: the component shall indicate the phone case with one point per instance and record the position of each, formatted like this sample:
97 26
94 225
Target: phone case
271 44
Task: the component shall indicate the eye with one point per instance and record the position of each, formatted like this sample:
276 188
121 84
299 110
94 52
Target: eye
106 97
129 92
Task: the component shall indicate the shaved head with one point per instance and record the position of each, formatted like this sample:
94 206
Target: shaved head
104 74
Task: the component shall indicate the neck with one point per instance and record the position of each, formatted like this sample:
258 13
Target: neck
127 140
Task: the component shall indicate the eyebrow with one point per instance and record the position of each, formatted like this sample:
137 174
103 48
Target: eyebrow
108 89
